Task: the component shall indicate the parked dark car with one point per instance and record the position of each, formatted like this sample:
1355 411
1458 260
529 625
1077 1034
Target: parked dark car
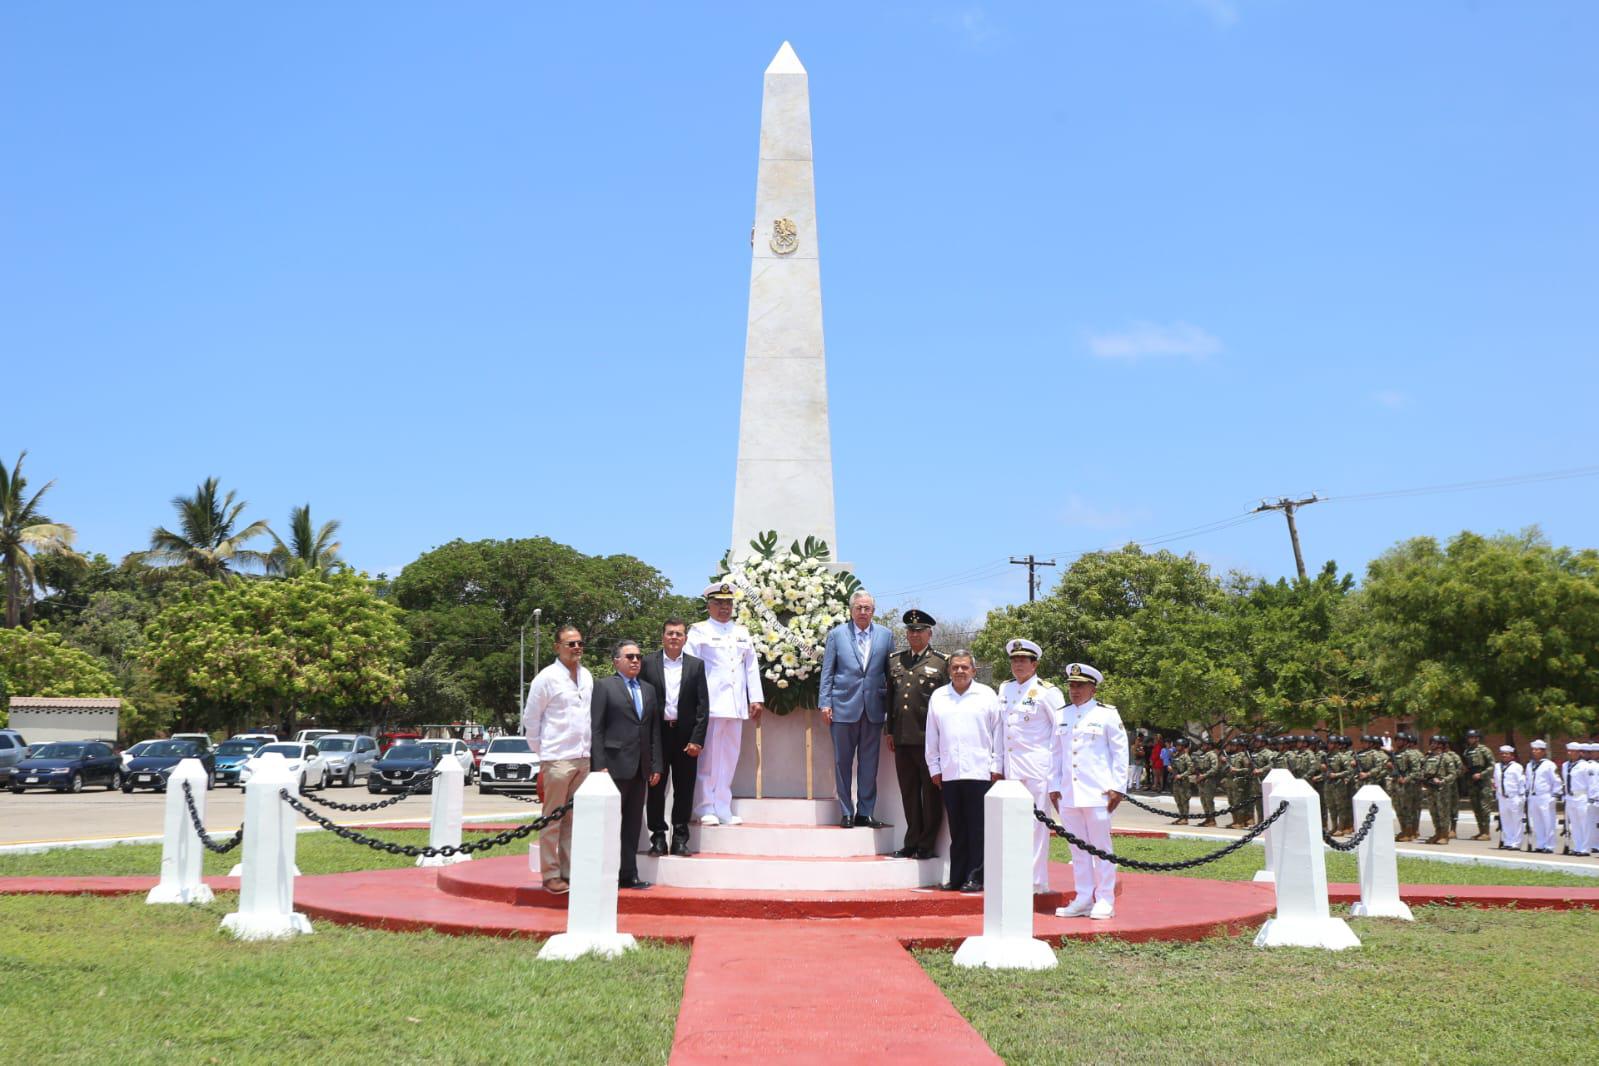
152 769
231 755
401 765
67 766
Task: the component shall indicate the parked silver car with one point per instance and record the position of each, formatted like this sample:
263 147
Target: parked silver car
349 756
13 749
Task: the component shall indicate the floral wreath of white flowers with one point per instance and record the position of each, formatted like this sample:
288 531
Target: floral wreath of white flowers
788 599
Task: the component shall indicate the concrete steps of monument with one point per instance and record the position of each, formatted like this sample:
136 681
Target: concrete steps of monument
709 870
811 812
791 841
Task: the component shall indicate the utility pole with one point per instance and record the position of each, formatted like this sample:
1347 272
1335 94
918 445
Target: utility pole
1288 507
521 653
1032 565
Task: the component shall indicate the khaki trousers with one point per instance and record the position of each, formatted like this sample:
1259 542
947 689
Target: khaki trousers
558 779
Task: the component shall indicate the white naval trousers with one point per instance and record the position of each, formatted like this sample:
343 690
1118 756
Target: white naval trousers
1095 879
1579 822
1040 792
1541 813
1511 812
713 778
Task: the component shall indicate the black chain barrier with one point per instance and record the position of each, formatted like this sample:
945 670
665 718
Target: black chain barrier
1164 813
427 851
409 791
1360 835
531 797
199 827
1157 867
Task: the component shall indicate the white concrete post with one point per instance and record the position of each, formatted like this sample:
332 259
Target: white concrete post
1269 784
266 884
596 864
181 850
1303 917
1379 866
449 798
1007 942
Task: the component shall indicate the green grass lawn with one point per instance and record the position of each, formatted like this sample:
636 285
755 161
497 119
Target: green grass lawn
1242 864
315 853
113 980
1456 986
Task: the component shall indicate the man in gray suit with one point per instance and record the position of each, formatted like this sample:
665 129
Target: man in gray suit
854 702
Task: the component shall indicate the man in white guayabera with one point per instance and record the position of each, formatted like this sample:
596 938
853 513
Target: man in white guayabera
733 678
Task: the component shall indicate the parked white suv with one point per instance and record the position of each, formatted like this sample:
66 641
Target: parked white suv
349 755
508 764
457 748
303 759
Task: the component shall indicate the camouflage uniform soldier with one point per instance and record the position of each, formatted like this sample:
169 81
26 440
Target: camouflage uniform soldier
1182 779
1407 787
1317 776
1208 765
1432 776
1371 768
1340 776
1261 760
1477 780
1454 768
1239 767
1279 755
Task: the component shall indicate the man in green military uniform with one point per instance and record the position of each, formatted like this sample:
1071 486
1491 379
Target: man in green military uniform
1371 768
1261 761
1477 781
1436 778
1208 767
913 674
1182 778
1408 769
1341 771
1238 778
1454 768
1316 775
1280 749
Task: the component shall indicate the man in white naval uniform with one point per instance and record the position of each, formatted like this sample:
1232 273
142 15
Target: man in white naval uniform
1575 777
1032 709
1087 775
1543 787
733 676
1510 784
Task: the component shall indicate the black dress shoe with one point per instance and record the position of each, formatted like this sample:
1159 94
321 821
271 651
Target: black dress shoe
847 822
972 886
949 886
904 853
922 853
658 844
862 821
680 846
635 883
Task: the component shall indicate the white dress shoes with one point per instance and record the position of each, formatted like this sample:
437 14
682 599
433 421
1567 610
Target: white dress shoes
1078 909
734 819
710 819
1102 909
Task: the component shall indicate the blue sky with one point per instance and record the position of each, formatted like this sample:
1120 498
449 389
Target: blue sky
1092 272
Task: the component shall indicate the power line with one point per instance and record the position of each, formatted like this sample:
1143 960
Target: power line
1288 507
1032 563
1468 486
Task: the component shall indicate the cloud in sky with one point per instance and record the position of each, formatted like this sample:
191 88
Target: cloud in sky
1143 340
1080 514
972 23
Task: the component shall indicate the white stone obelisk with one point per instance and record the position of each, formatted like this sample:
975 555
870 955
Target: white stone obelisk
785 454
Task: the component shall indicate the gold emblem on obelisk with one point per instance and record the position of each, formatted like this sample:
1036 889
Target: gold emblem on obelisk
785 237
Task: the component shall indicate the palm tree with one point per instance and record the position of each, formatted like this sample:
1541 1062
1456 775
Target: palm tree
206 541
25 529
309 550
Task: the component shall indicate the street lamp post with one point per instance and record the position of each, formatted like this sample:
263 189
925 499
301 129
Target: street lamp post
521 654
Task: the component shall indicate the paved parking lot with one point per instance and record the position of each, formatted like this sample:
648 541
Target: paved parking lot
37 817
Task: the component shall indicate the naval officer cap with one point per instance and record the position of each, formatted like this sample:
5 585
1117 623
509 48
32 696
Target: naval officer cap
1083 672
719 590
915 619
1019 646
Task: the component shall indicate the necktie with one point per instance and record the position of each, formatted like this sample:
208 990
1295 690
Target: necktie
638 698
860 646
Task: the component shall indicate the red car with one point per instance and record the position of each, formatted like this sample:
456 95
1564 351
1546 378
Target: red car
477 748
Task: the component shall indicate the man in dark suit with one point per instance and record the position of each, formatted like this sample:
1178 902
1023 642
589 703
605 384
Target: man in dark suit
626 743
679 679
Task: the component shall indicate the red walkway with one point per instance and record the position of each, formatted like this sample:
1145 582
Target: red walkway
790 993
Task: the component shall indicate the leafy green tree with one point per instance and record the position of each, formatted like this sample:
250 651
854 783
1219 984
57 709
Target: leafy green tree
25 531
1499 632
465 603
208 539
310 550
280 648
37 662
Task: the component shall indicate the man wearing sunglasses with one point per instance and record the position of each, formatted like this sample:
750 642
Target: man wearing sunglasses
556 722
627 745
